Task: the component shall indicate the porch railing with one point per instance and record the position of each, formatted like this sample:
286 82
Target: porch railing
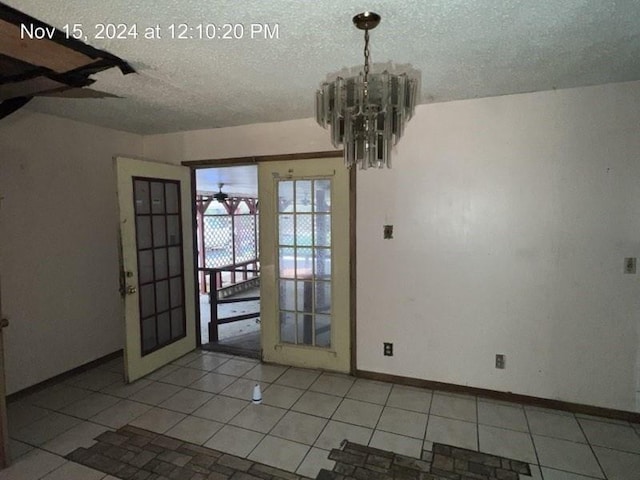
214 277
245 270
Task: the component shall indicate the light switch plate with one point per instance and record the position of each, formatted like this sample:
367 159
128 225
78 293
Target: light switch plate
387 232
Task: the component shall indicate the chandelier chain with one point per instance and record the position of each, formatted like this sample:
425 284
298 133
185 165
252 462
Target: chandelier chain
366 55
366 65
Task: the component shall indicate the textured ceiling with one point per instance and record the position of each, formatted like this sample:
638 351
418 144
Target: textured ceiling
464 48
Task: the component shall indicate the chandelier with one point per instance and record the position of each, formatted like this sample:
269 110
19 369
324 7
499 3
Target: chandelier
367 111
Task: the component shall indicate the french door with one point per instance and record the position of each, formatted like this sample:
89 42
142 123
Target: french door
304 258
157 279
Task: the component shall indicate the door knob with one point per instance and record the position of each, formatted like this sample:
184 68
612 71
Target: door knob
4 323
131 289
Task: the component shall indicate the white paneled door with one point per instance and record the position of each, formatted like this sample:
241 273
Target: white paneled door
304 258
157 279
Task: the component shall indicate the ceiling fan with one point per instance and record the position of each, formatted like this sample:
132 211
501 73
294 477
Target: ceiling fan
220 196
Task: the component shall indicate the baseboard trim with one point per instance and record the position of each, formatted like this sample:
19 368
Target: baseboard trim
63 376
503 396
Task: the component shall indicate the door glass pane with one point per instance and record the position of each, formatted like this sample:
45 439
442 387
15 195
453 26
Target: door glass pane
176 292
322 193
147 301
143 232
148 332
287 263
175 261
177 323
158 219
323 330
287 327
157 197
164 328
145 268
171 191
305 296
305 271
162 296
323 263
160 256
305 329
322 230
304 264
303 196
173 229
159 231
285 196
304 234
323 297
287 298
285 230
141 196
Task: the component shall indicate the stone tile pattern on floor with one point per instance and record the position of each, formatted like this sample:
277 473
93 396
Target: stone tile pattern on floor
132 453
359 462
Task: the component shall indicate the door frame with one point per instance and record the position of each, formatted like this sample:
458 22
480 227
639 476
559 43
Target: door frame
252 160
5 453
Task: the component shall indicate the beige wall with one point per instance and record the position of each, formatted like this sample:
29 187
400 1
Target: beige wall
513 216
58 244
512 219
258 139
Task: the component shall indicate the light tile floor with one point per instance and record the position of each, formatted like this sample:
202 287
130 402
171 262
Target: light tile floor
205 398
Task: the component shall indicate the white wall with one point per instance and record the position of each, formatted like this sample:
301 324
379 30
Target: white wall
58 244
512 219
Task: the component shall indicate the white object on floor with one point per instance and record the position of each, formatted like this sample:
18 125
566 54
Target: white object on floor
257 394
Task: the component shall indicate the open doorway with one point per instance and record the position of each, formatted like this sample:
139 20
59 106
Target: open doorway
228 266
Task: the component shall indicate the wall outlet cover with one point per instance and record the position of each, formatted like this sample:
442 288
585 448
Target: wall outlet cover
630 265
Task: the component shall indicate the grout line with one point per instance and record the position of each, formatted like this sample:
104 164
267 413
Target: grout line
569 472
321 431
375 428
477 425
593 452
58 467
533 444
426 428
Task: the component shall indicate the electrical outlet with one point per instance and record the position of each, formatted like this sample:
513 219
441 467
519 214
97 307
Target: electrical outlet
388 349
630 265
387 232
500 360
